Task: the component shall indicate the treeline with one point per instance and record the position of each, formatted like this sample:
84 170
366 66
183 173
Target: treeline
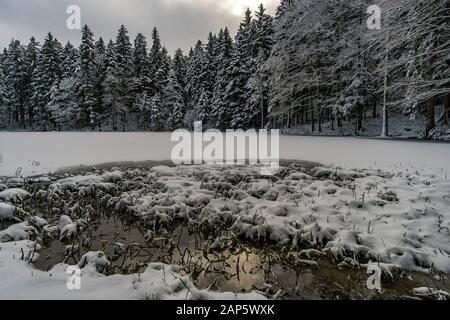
316 61
121 85
327 65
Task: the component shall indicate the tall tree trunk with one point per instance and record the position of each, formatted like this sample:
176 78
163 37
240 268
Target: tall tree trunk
385 124
430 116
288 124
313 121
446 108
360 117
320 120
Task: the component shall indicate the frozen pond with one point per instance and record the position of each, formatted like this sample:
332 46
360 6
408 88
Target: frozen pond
38 153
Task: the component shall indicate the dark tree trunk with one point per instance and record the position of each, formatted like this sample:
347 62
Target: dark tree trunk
320 121
430 116
360 117
446 108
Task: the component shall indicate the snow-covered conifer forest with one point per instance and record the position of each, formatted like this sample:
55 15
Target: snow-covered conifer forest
315 67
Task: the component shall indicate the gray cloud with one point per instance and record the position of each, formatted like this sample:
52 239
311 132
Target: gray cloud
180 22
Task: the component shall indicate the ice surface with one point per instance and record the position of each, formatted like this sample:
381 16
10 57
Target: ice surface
40 153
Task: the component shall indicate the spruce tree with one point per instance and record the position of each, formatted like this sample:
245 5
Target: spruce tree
144 104
140 56
100 70
46 76
3 101
31 53
159 64
220 112
239 72
256 105
180 68
123 54
71 61
118 88
86 79
173 102
156 113
15 82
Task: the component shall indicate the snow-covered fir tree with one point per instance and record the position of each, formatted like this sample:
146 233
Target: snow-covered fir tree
195 74
179 66
46 76
144 105
173 102
15 83
157 119
86 79
220 114
141 63
254 112
3 101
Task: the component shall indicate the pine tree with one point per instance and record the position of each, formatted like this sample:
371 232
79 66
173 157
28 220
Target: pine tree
3 101
173 102
220 112
155 52
263 38
255 111
15 83
86 79
156 113
64 105
140 56
180 68
46 76
31 53
70 63
141 64
159 64
144 104
195 74
240 70
100 70
118 89
123 54
203 107
162 73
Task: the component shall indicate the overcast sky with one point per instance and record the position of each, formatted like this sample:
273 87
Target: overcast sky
181 22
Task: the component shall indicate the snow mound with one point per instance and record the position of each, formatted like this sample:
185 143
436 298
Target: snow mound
7 211
393 217
14 195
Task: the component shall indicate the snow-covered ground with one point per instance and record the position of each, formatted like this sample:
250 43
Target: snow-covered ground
40 153
400 126
373 201
395 220
19 281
